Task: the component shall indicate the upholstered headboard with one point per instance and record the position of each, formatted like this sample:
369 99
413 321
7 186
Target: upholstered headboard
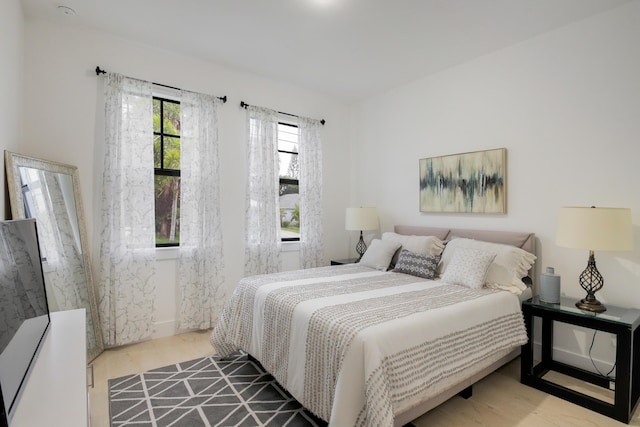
523 240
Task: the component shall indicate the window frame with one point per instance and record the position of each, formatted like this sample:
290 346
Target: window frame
288 181
162 171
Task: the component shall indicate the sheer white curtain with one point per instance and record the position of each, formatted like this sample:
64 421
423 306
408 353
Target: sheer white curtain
200 263
127 253
310 161
262 219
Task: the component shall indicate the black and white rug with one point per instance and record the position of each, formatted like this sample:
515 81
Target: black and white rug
211 391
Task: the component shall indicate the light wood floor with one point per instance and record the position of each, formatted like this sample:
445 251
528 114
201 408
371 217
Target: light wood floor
499 400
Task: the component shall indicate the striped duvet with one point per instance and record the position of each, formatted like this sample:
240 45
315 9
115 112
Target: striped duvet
356 346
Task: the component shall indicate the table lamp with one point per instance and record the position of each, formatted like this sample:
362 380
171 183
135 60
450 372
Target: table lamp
361 219
594 229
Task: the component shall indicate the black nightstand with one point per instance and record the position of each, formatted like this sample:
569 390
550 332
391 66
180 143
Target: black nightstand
344 261
619 321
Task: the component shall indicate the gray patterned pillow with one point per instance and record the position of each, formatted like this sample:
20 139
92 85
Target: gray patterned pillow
425 266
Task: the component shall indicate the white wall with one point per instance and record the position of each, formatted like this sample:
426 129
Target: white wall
63 116
11 67
566 105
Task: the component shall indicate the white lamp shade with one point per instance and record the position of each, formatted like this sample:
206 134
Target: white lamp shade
361 219
595 229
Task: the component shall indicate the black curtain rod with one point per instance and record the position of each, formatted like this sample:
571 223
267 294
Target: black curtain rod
245 105
101 71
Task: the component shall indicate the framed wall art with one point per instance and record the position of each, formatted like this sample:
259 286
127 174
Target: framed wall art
469 182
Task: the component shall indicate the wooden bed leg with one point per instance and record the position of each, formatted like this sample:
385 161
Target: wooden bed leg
466 393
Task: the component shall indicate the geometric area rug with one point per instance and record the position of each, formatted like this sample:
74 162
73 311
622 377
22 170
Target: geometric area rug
206 392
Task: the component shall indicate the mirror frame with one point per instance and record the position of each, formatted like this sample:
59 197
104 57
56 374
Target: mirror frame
13 162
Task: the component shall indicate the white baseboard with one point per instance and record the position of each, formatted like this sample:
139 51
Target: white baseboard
168 328
164 329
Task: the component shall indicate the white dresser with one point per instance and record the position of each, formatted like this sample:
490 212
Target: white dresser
56 390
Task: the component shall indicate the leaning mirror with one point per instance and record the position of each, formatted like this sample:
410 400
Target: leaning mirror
50 193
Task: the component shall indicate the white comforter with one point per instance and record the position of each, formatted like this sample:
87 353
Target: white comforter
356 346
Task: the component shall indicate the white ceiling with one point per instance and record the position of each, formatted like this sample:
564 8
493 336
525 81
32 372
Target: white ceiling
349 49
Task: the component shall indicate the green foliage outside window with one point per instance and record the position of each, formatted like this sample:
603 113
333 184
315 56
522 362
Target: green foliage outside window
289 184
166 154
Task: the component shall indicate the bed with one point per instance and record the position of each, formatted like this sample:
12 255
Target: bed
361 346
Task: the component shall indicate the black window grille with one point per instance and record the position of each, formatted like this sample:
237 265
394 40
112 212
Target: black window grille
289 181
166 158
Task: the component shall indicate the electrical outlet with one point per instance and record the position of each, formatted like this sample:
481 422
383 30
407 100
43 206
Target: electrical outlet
612 385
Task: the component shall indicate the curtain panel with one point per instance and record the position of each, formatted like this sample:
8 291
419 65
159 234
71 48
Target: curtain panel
126 288
200 261
310 161
262 216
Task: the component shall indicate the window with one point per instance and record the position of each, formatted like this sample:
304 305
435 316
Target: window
166 159
289 194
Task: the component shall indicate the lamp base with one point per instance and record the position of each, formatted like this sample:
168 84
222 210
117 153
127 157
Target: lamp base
361 247
591 281
594 305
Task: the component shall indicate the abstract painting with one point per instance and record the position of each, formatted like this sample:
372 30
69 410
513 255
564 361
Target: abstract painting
469 182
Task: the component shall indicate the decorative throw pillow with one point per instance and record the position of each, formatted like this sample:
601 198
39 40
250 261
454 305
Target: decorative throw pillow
421 245
468 267
379 254
425 266
510 265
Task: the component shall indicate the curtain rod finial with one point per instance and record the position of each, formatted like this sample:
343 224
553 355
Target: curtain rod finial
100 71
323 122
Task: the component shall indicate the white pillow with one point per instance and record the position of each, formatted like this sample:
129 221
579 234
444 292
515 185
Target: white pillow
379 254
468 267
421 245
510 265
